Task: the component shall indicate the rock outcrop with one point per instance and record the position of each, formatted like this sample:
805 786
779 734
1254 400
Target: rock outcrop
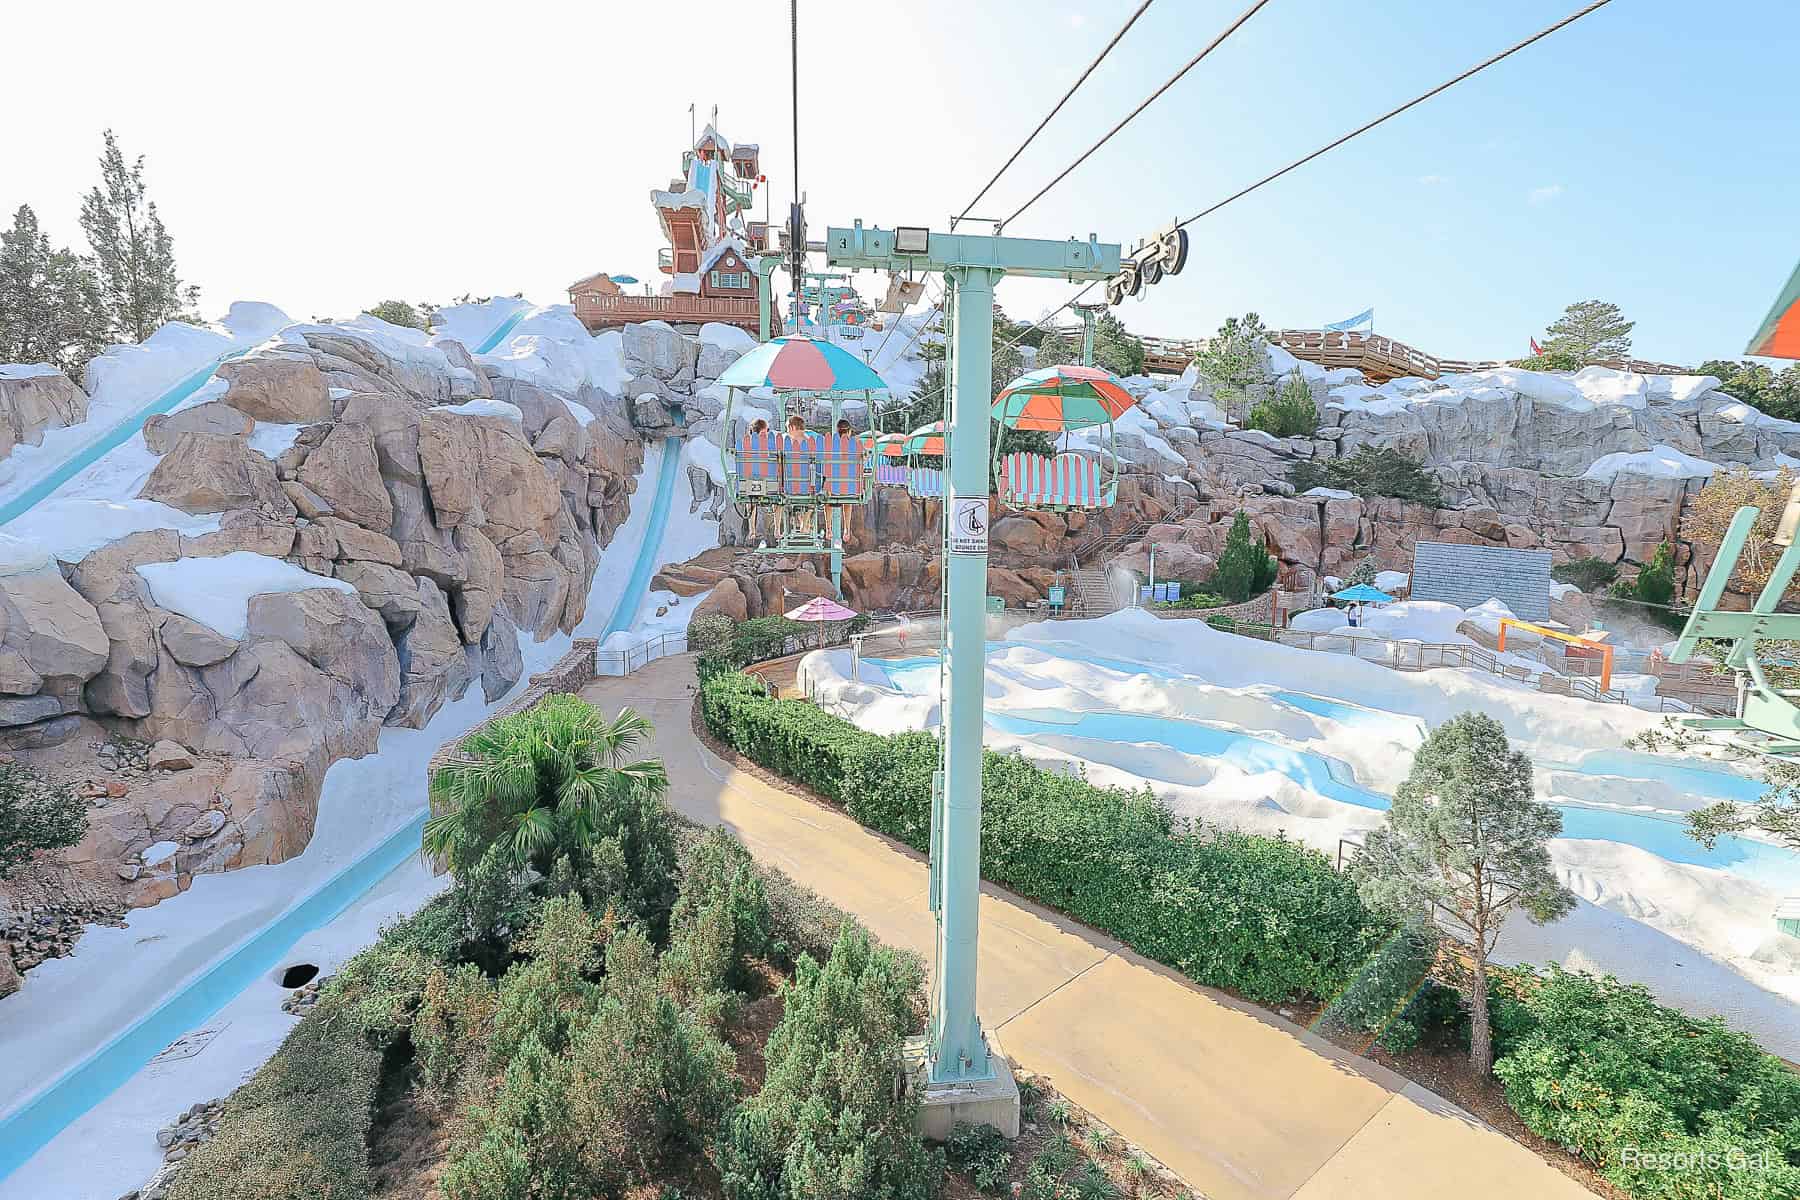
33 399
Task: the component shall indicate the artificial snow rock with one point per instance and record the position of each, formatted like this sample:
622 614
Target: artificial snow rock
170 756
204 826
286 391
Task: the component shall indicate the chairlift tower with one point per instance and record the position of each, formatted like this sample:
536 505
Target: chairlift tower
957 1057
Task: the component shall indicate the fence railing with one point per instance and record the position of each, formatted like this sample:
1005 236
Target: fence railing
632 658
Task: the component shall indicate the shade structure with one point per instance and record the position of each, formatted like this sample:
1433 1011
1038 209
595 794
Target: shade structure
821 608
802 364
1362 593
927 439
891 445
1779 336
1054 399
623 278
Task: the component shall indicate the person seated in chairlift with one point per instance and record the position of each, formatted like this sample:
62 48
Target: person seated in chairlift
757 521
796 431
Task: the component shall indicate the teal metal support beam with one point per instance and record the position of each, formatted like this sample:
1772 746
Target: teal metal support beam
765 287
972 265
1087 335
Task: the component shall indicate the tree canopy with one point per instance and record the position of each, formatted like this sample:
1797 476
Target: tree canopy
134 255
1589 331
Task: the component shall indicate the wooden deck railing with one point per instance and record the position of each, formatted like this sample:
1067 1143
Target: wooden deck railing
604 311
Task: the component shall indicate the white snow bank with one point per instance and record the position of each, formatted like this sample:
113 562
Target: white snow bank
484 408
71 528
700 452
726 337
1392 581
253 321
127 377
552 349
27 370
216 591
21 556
1661 461
473 324
584 416
1325 493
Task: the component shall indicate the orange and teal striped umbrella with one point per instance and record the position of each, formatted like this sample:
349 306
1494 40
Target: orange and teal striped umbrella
927 439
1779 336
1054 399
891 445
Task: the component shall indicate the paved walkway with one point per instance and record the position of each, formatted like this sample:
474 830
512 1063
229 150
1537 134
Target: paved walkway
1241 1104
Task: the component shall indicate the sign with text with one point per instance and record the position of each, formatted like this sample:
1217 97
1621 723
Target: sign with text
969 525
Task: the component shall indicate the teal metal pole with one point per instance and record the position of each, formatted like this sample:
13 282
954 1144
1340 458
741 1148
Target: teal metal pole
958 1050
1087 335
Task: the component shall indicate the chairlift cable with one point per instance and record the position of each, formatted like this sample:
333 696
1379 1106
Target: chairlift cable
1130 21
1148 101
1394 112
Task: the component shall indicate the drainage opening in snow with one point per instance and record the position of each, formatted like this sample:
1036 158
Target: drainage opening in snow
298 975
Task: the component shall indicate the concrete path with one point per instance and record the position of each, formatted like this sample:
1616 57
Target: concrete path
1241 1104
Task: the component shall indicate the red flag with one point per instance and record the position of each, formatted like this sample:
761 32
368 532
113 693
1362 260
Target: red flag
1535 348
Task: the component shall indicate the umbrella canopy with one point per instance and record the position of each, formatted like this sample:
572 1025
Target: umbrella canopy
1779 336
1362 593
821 608
927 439
1054 399
891 445
623 278
800 364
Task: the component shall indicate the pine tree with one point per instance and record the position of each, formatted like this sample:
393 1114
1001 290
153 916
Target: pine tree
1245 568
1236 356
1590 331
133 251
50 305
1466 843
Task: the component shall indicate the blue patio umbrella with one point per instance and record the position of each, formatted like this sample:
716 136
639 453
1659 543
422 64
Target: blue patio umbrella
1362 593
623 278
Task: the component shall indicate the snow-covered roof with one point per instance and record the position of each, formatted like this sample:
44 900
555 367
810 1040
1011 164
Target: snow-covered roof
686 198
596 277
710 136
717 250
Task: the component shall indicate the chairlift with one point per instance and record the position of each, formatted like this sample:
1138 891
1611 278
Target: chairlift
1060 400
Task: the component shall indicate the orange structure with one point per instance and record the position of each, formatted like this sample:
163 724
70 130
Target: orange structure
711 248
1580 645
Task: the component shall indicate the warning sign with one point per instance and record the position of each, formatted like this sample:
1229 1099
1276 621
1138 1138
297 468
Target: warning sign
969 525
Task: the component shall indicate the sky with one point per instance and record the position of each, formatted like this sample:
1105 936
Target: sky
328 156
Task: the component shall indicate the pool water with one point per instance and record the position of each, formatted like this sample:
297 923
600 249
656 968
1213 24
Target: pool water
1666 837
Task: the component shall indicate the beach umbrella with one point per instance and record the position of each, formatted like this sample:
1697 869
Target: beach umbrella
1054 399
891 445
802 364
1779 336
927 439
623 278
819 610
1362 593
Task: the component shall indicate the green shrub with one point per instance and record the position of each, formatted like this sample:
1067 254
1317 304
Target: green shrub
298 1129
1655 581
719 882
1197 600
453 1024
1266 917
1383 989
981 1153
1371 472
1291 413
828 1123
710 630
35 815
1606 1071
1245 567
793 739
1589 574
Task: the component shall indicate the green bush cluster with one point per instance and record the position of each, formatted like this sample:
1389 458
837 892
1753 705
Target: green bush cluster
1371 471
1589 574
1655 581
829 1123
1245 567
1265 917
1598 1066
1291 412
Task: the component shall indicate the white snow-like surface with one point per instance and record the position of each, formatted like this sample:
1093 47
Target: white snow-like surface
700 452
1699 936
1392 581
1325 493
472 324
216 591
1661 461
72 528
726 337
253 321
584 416
484 408
27 370
271 439
119 974
21 555
549 347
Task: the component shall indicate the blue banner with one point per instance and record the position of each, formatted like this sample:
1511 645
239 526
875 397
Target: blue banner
1364 320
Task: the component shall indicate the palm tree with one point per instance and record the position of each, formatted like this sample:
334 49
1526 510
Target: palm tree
548 781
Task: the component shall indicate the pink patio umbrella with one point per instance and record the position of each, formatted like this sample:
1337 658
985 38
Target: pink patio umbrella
821 609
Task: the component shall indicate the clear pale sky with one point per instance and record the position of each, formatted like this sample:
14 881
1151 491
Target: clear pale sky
327 156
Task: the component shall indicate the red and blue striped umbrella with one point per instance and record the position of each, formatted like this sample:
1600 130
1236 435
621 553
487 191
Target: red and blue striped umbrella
802 364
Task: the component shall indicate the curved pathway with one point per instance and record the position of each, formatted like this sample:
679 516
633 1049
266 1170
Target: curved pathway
1241 1104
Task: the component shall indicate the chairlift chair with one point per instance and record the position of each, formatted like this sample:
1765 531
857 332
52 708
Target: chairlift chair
1060 400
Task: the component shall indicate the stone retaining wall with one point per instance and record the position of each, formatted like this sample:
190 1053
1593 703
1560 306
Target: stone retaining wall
570 673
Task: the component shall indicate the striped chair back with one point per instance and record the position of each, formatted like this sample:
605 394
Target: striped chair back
926 481
799 465
841 466
891 475
1024 478
1066 481
758 473
1078 480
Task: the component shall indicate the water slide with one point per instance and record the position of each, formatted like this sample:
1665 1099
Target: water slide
107 440
44 1114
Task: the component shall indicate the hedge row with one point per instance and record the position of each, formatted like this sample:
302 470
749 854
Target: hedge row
1265 917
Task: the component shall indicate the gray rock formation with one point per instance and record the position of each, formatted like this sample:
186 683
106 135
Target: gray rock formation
30 404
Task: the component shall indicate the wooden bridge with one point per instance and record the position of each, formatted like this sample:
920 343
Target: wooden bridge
610 312
1378 358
